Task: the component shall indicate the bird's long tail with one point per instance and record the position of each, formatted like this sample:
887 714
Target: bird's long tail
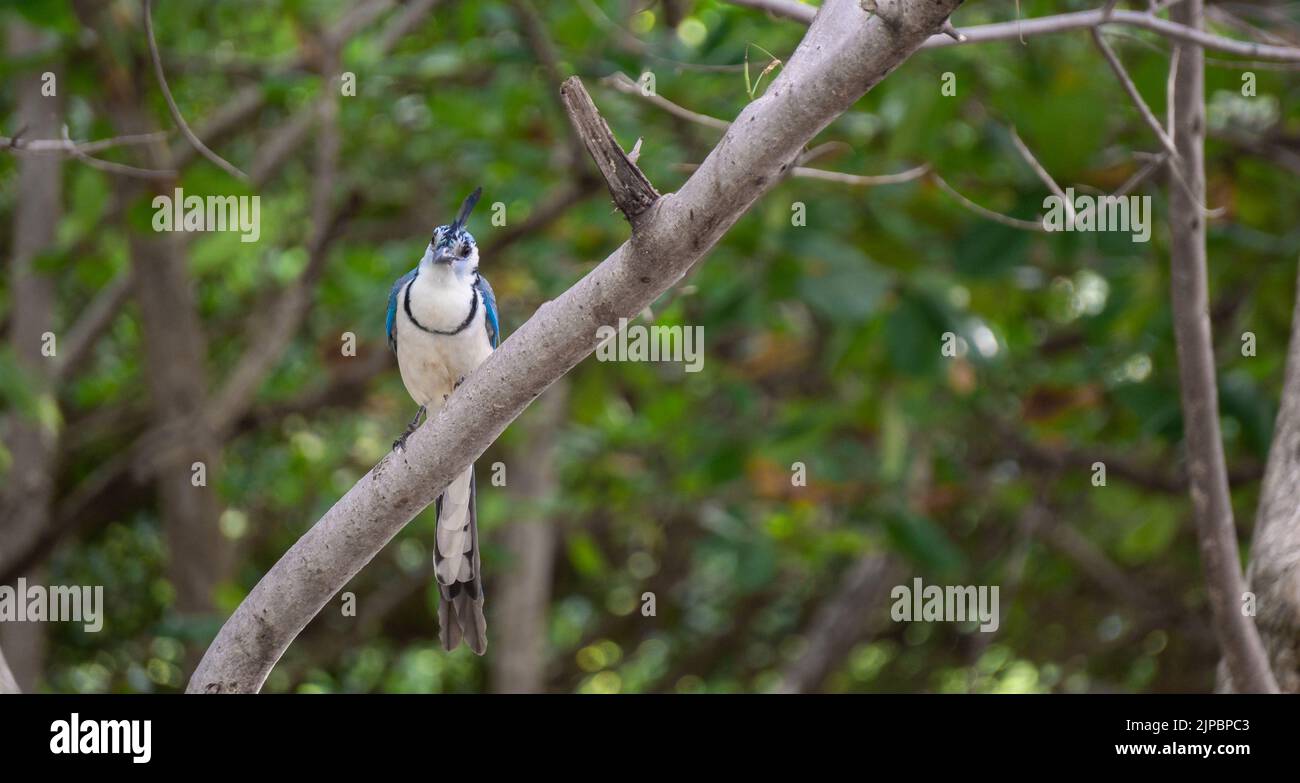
456 565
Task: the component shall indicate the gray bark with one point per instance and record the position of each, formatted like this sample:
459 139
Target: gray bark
1274 572
29 487
845 53
7 682
521 595
1206 467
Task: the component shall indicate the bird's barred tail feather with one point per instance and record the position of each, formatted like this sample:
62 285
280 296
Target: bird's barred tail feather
456 565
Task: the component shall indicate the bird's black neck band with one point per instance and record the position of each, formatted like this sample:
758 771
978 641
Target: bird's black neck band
469 319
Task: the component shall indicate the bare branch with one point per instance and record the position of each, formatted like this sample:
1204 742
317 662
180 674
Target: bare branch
82 151
171 102
1060 23
1206 465
858 180
997 217
632 192
114 168
621 82
1084 20
62 146
1043 175
7 682
1276 547
1141 175
1129 87
916 172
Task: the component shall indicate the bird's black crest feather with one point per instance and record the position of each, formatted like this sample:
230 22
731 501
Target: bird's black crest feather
467 207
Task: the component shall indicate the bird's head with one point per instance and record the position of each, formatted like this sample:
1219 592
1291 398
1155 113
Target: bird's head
452 248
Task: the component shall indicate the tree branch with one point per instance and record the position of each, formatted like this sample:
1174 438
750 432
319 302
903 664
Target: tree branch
1060 23
1276 547
7 682
624 84
844 54
1129 87
1206 466
632 192
171 102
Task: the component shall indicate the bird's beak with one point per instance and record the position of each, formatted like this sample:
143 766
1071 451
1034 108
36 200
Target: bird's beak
442 257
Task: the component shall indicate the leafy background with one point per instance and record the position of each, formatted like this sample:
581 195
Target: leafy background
822 347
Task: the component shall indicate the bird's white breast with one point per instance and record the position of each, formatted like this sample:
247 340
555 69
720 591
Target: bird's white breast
431 364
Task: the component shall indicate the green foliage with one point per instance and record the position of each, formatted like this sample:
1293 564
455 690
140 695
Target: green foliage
822 347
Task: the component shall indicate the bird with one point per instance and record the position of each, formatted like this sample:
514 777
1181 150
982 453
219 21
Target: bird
442 323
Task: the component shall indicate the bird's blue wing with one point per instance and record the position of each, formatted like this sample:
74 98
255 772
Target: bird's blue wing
391 322
490 306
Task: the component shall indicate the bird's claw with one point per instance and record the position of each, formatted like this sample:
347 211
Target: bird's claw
400 443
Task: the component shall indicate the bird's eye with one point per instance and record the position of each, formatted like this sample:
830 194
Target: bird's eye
464 251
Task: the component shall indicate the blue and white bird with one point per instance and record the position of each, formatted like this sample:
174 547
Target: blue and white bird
442 323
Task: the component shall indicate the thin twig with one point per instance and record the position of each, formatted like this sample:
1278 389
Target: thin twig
1043 175
1141 174
111 167
1060 23
1150 118
860 180
1126 82
621 82
171 102
997 217
61 146
916 172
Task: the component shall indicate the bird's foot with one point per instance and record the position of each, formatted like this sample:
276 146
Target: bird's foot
400 443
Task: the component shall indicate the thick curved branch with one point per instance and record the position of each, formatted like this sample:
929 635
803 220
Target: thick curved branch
1273 574
845 53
